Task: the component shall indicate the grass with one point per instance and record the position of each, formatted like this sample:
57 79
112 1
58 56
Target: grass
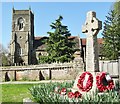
42 93
15 92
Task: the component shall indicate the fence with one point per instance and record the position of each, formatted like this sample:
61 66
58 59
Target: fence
112 67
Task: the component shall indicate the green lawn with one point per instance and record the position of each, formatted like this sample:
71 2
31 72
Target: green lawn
15 92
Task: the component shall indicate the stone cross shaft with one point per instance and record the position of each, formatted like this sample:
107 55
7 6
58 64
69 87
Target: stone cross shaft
91 29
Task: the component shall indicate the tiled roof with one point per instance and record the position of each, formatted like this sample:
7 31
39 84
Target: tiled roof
40 45
83 41
72 37
100 40
38 38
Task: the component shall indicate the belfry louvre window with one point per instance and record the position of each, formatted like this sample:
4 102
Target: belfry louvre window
20 51
20 23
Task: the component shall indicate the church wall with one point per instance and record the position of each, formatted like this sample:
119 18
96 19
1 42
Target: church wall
43 71
25 18
21 12
40 53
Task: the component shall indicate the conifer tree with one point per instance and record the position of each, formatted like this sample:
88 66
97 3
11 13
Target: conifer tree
116 6
111 35
59 47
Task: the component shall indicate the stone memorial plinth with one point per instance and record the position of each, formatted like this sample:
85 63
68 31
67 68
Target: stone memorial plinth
91 28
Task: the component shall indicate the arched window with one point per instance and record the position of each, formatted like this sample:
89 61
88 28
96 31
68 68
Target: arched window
20 51
20 23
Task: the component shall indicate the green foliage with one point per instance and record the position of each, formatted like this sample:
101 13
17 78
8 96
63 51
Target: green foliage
12 93
116 7
45 93
59 47
110 96
5 61
44 59
111 36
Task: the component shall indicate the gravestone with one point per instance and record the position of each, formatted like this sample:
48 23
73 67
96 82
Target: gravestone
91 28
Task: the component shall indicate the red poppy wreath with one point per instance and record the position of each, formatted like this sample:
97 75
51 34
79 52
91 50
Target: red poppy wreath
85 81
76 94
104 82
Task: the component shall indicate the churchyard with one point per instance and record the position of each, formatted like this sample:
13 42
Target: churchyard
16 93
91 85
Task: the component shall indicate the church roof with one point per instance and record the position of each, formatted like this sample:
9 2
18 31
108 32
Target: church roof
100 40
39 42
40 45
83 41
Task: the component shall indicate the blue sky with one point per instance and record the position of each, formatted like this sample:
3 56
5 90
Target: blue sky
74 16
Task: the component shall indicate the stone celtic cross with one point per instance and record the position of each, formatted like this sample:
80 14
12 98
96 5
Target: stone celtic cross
91 29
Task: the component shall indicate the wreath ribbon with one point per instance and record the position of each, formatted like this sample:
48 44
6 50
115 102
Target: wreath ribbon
104 82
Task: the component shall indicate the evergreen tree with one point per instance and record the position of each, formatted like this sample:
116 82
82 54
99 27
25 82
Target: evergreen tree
116 6
4 56
59 47
111 35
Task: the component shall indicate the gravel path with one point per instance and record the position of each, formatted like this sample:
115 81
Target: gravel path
34 82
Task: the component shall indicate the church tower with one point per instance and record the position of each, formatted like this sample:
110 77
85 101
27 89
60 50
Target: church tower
21 45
